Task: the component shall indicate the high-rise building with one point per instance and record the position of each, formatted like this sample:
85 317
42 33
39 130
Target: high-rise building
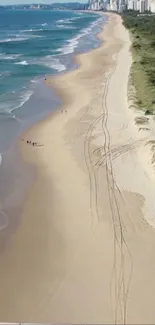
120 5
142 5
152 6
94 5
113 5
130 5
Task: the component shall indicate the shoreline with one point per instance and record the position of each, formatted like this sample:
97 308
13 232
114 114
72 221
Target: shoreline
7 203
83 252
50 82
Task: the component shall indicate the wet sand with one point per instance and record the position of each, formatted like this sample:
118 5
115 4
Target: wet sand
85 251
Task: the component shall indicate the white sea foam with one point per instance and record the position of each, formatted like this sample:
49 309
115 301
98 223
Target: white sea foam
9 56
31 30
15 39
27 36
34 36
69 20
23 98
19 38
59 50
22 63
73 43
26 30
61 26
45 24
64 21
53 63
65 26
60 21
9 103
34 80
70 47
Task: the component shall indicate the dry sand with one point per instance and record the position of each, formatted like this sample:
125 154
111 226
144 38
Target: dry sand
85 251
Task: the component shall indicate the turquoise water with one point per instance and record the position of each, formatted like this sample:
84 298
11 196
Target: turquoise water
34 44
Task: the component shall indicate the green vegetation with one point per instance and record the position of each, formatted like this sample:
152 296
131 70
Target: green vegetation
142 28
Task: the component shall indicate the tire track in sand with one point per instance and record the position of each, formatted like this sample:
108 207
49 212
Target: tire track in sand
121 288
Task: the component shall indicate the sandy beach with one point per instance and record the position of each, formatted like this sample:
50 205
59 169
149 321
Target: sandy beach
84 251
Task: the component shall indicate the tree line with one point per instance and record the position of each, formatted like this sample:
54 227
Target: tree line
142 31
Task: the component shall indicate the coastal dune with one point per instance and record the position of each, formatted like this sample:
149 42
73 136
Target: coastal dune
84 250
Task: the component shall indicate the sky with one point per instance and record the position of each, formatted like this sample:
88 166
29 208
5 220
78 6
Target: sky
8 2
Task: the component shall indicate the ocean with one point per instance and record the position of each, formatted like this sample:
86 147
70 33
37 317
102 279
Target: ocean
34 44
